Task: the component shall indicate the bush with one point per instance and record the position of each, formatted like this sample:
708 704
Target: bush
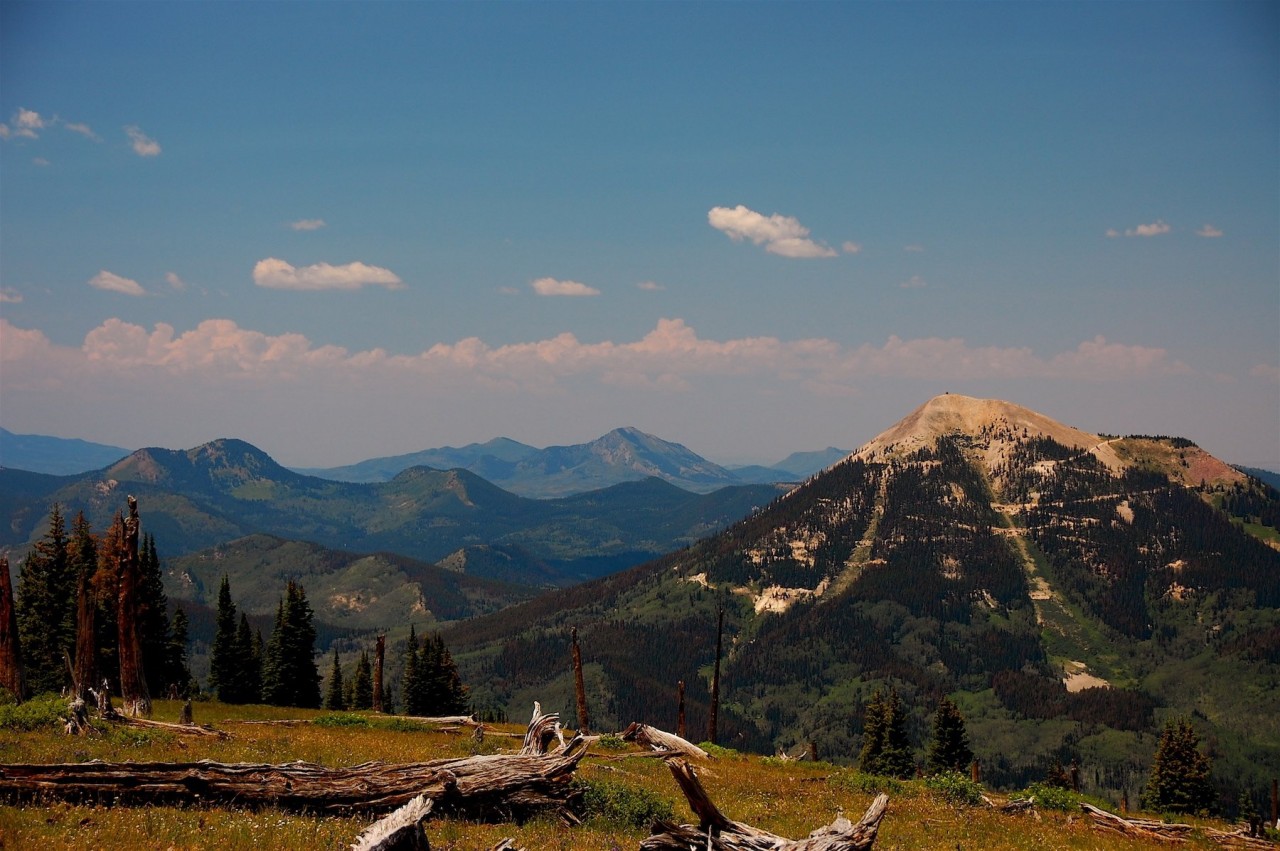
719 752
1048 797
611 742
955 788
867 784
45 711
622 805
341 719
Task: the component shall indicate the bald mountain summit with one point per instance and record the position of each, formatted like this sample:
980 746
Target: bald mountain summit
1068 590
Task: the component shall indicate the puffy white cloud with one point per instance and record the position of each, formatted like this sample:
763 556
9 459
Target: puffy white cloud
1209 231
553 287
781 235
307 224
142 144
8 295
84 130
114 283
849 247
650 286
274 273
174 281
25 124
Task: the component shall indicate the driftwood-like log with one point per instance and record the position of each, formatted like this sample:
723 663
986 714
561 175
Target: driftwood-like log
1139 828
1239 839
716 832
542 729
400 830
661 742
498 786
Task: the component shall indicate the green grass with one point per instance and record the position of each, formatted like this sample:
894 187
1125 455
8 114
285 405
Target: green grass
624 792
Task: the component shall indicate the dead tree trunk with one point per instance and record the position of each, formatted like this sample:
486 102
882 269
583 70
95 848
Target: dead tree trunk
379 652
680 731
133 682
579 689
84 672
1139 828
713 718
401 830
493 787
10 650
542 729
662 743
716 832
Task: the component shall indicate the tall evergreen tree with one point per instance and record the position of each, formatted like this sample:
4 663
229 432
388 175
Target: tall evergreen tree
153 617
333 697
176 659
224 660
886 749
949 750
1179 781
289 675
46 609
247 657
411 682
362 687
83 554
106 586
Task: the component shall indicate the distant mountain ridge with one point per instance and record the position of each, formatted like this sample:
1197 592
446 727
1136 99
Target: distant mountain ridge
624 454
56 456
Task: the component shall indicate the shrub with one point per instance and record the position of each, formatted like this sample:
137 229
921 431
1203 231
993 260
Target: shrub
867 784
622 805
955 788
341 719
611 742
1051 797
719 752
45 711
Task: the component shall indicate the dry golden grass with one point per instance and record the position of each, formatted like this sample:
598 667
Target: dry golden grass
788 799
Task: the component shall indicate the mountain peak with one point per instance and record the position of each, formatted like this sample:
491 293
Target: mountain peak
952 413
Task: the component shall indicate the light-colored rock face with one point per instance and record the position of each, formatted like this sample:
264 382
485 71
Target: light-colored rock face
951 413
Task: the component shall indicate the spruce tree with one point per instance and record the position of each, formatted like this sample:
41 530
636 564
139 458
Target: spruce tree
333 698
224 660
106 587
274 687
362 687
949 750
83 555
411 682
1179 781
250 688
289 675
153 618
886 749
176 660
873 734
46 609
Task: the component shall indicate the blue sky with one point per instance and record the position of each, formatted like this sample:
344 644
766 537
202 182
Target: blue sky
341 230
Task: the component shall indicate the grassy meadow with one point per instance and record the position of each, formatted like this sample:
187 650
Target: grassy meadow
623 791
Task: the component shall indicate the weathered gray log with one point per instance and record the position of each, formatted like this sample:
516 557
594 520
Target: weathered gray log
662 742
501 786
400 830
542 729
716 832
1139 828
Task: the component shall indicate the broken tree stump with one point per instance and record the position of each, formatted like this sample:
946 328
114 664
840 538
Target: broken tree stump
716 832
542 729
400 830
502 786
661 742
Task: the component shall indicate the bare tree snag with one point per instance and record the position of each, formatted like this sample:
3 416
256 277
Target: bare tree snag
10 650
133 682
542 729
662 743
680 731
579 689
492 787
716 832
380 651
715 682
401 830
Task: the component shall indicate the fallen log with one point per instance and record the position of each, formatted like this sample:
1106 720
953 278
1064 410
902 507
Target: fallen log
1138 828
716 832
542 729
1239 839
661 742
401 830
487 787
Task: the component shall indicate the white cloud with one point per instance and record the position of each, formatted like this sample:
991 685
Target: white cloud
552 287
849 247
307 224
25 124
142 144
174 281
274 273
915 282
781 235
1157 228
1209 231
8 295
650 286
83 130
112 282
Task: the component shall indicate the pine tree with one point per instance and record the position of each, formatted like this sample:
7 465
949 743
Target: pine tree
289 675
873 734
1179 781
224 661
106 588
949 750
46 609
886 750
362 686
411 682
83 555
333 698
176 660
274 687
153 618
250 688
